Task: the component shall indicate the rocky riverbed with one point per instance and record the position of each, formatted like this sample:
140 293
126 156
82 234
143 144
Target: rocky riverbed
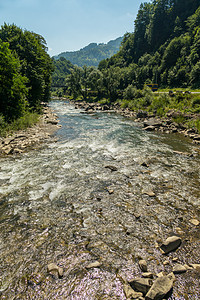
32 137
149 122
109 211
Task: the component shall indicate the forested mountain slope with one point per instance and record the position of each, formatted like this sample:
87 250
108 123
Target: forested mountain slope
165 45
92 54
62 68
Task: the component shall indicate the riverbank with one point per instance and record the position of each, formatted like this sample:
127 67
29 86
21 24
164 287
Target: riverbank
31 138
149 121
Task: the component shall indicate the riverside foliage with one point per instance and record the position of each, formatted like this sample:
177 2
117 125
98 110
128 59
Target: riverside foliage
25 73
164 49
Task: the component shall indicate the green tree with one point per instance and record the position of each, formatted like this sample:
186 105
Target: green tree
36 64
13 90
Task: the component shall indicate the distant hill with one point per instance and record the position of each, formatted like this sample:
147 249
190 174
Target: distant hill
92 54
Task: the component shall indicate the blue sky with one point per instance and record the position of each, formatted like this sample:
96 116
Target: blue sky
69 25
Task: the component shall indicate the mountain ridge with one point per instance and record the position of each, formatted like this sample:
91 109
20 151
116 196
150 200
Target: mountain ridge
92 54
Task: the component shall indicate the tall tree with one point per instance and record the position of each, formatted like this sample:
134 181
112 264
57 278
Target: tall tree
36 63
13 90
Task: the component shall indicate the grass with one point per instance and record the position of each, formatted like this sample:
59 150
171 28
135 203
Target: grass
166 90
160 104
28 120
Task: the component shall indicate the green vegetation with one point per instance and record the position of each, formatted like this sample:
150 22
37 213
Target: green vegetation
25 76
21 123
92 54
62 67
163 49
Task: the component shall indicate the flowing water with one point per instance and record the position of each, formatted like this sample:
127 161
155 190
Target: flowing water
89 197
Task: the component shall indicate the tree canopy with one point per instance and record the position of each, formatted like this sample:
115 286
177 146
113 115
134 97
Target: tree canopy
26 77
164 49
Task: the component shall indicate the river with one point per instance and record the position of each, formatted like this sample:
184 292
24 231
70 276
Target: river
106 191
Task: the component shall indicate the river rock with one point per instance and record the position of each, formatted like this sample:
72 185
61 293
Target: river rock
143 265
171 244
195 266
188 267
112 168
149 193
7 150
141 114
160 288
94 264
147 275
149 128
161 274
141 284
152 122
53 268
196 137
130 293
194 222
52 121
178 269
144 164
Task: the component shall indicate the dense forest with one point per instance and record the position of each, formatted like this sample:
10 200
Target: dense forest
25 73
62 68
92 54
164 49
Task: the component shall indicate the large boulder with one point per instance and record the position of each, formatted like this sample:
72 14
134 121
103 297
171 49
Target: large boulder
130 293
141 284
160 288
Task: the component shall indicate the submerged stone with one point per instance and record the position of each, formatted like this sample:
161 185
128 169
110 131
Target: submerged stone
94 264
53 268
171 244
143 265
178 269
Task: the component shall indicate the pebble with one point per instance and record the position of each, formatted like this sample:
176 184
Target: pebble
94 264
195 266
149 193
147 275
143 265
194 222
54 268
178 269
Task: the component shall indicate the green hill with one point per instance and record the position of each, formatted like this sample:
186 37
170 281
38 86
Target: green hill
92 54
164 47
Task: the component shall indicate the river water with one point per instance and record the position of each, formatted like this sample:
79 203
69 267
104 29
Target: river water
90 197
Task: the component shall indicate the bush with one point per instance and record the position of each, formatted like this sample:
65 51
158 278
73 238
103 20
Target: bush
28 120
159 104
